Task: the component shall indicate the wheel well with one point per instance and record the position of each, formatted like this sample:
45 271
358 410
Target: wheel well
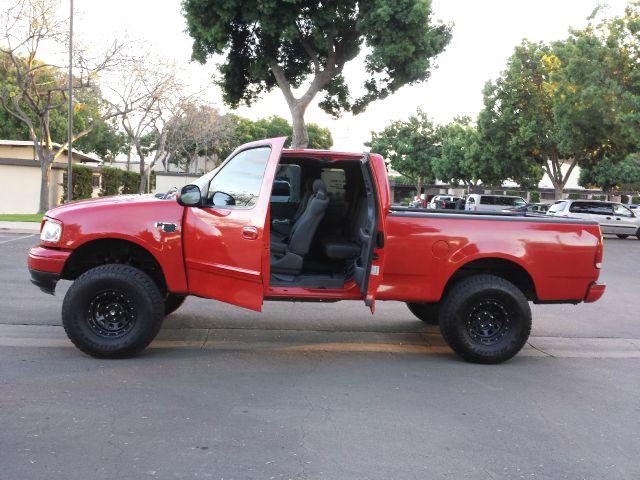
499 267
113 250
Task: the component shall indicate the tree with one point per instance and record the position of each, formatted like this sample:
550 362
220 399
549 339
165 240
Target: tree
460 158
197 131
300 42
33 90
568 104
410 147
147 96
248 131
613 176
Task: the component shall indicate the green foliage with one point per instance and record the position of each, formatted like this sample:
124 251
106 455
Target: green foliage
574 196
251 34
104 140
81 182
610 176
635 199
112 181
130 182
514 193
409 146
246 130
460 155
534 197
570 102
598 197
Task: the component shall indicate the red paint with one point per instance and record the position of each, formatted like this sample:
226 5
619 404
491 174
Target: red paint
224 253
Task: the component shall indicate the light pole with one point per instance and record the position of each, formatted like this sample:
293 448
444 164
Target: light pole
70 107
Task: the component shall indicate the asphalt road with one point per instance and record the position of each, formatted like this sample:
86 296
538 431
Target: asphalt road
256 400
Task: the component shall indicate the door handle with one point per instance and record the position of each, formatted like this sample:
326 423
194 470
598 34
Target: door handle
608 218
250 233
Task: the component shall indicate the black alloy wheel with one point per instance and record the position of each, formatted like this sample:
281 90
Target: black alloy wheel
113 311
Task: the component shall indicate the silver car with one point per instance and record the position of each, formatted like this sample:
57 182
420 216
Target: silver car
613 217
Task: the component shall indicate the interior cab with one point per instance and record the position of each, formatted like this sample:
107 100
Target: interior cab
284 224
323 219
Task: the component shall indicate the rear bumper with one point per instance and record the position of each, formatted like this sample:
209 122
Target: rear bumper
45 267
594 292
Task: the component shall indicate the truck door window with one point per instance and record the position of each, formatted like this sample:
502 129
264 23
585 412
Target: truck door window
237 184
286 185
336 184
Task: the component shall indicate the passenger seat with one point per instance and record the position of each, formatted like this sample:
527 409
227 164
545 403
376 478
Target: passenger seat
286 257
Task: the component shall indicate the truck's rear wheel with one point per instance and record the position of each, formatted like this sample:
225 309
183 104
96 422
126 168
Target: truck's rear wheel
173 302
112 311
485 319
621 235
427 312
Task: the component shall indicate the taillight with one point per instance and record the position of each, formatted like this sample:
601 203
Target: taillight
599 252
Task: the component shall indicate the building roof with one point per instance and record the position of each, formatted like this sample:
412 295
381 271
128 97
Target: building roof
83 157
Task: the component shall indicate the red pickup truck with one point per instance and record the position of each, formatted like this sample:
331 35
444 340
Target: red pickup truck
307 225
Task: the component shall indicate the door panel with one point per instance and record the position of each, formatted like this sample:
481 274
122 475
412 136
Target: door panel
226 240
371 257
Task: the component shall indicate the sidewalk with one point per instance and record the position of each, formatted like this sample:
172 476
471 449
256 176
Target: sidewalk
20 227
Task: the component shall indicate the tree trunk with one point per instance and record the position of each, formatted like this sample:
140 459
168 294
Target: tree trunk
45 180
557 191
300 138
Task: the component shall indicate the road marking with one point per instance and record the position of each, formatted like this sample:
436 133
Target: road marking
16 239
292 342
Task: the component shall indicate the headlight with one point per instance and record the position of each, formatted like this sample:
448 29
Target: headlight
51 231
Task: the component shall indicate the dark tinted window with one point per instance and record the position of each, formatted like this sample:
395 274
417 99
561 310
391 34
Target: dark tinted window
240 179
487 200
286 185
594 208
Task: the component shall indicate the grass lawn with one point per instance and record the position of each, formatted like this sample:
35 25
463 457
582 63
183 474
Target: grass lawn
20 217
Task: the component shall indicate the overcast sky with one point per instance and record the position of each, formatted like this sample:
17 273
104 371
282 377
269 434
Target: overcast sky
484 35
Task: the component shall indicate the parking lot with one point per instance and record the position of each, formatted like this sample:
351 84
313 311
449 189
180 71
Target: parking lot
312 391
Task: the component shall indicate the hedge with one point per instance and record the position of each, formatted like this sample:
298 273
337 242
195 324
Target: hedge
111 181
534 197
82 183
130 182
635 199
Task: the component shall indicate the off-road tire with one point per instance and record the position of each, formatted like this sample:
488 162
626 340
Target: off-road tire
173 302
485 319
427 312
112 311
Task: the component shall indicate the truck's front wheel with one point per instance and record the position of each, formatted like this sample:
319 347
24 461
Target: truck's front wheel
112 311
485 319
173 302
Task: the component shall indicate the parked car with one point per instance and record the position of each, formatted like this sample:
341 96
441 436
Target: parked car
613 217
492 203
134 260
535 208
444 202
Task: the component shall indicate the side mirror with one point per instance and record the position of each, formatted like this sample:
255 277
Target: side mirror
189 196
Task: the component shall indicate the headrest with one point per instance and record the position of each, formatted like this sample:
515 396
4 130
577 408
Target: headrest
318 186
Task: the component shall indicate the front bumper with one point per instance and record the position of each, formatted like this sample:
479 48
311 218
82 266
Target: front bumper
45 267
45 281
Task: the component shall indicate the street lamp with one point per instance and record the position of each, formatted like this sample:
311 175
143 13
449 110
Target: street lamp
70 107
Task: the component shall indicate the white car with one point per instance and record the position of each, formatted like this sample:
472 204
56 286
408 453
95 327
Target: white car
492 203
614 218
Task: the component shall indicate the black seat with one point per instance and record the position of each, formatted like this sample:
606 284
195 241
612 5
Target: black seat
349 245
281 229
287 256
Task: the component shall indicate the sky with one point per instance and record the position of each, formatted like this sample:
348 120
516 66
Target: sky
484 36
